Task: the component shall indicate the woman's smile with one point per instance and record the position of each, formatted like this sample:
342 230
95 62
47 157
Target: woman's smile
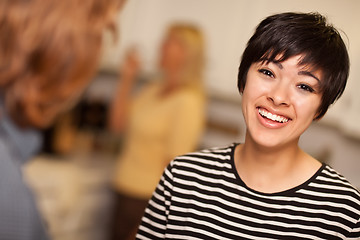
272 120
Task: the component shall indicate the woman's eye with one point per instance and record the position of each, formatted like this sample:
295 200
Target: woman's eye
266 72
306 88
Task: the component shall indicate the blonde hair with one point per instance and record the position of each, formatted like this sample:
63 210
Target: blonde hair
49 51
193 40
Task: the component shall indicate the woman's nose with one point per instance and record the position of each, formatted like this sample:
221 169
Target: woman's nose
279 94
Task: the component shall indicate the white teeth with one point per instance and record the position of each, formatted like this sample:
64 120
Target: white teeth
273 117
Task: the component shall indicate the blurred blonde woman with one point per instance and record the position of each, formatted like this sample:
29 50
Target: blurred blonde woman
164 120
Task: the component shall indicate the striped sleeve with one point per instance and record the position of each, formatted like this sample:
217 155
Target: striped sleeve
153 225
355 233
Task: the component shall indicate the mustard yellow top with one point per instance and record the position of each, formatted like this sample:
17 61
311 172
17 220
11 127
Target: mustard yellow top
160 128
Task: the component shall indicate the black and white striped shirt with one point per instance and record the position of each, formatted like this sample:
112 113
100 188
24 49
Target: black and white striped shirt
201 196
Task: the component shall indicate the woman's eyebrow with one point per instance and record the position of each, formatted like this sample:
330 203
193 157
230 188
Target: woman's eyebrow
277 63
307 73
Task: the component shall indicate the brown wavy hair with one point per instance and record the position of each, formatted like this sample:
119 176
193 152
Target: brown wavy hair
49 51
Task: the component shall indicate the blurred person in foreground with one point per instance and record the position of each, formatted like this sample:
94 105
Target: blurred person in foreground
165 119
48 53
294 67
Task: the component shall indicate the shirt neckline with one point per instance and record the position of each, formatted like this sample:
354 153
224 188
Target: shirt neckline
281 193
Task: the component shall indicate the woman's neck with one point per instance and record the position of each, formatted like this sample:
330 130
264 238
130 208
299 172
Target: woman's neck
171 81
273 170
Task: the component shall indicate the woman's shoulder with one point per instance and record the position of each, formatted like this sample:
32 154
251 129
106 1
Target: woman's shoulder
332 175
333 181
214 157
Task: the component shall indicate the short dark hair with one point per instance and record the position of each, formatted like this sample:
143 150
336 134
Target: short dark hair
290 34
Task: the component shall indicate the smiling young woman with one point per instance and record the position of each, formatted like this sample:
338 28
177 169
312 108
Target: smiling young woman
279 103
293 68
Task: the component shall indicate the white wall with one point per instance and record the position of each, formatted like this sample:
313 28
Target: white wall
227 25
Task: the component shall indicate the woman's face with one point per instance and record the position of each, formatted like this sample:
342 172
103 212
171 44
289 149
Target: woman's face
173 53
279 102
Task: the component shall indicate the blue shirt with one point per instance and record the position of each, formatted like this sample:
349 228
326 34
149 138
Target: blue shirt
19 216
